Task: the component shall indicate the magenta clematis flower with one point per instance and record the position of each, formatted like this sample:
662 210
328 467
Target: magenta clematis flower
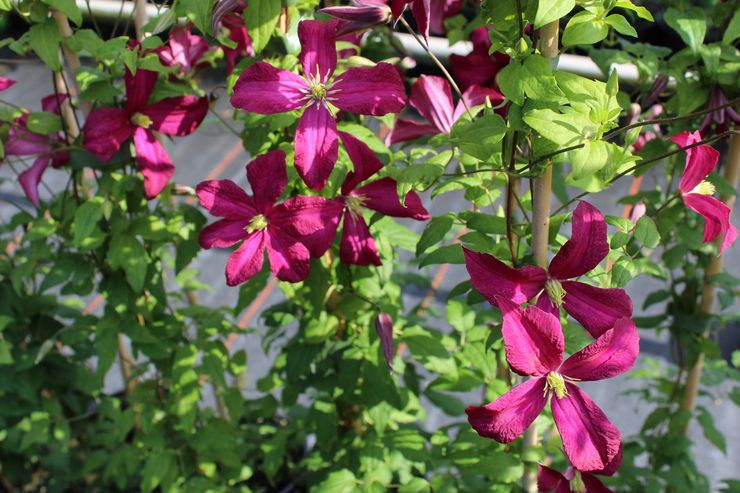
5 83
441 10
183 50
478 67
360 16
534 345
290 231
106 129
384 329
420 9
234 22
357 245
595 308
265 89
722 118
431 96
46 148
573 481
696 192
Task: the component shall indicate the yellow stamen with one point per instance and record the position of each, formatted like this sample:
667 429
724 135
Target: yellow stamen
258 223
704 188
355 203
556 383
555 291
318 91
141 120
576 484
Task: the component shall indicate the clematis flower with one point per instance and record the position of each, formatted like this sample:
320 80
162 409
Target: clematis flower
573 481
534 345
596 309
183 50
478 67
441 10
384 329
360 16
357 245
238 34
722 118
5 83
697 193
652 132
289 231
431 96
46 148
265 89
106 129
420 9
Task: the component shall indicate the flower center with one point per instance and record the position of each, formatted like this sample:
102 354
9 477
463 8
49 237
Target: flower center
555 291
355 203
141 120
576 484
704 188
258 223
318 91
556 383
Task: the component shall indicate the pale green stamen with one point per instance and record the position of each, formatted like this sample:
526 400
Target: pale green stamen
258 223
555 291
704 188
576 484
141 120
318 92
355 203
556 383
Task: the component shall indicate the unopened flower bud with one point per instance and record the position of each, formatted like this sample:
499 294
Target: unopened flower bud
384 328
638 210
359 18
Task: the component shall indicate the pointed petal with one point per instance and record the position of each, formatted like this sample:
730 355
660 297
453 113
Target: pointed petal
223 233
421 10
52 102
364 162
475 96
268 177
700 161
384 329
381 196
5 83
432 98
247 260
373 91
612 354
597 309
549 479
613 466
594 484
546 305
474 69
224 198
154 163
590 440
311 220
289 260
357 246
405 130
493 278
587 245
506 418
533 339
31 178
397 7
106 129
716 218
318 48
23 142
177 116
316 145
138 88
265 89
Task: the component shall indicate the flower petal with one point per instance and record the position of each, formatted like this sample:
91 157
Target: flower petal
247 260
493 278
223 233
597 309
23 142
31 178
364 162
381 196
177 116
106 129
268 177
700 161
506 418
612 354
224 198
289 259
716 218
316 145
590 440
549 479
357 246
5 83
587 245
138 88
53 102
594 484
533 339
421 10
432 98
373 91
405 130
474 69
265 89
154 163
311 220
318 49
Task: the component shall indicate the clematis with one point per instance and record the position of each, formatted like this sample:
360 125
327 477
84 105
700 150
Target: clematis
266 89
289 231
721 118
238 34
478 67
431 96
183 50
106 129
596 309
652 132
573 481
357 245
697 193
46 148
420 9
441 10
360 16
534 345
5 83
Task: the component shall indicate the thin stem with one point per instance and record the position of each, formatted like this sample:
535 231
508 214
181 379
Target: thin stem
226 124
510 181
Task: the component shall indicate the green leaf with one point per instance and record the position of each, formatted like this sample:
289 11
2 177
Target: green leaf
86 218
646 232
249 291
415 485
510 82
159 465
450 254
44 123
551 10
106 345
261 18
563 129
434 232
733 29
68 8
589 159
426 347
711 433
691 25
6 358
584 28
341 481
641 11
125 252
199 11
621 25
480 138
539 81
44 39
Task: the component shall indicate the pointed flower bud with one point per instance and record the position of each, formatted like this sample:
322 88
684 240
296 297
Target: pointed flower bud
384 328
359 18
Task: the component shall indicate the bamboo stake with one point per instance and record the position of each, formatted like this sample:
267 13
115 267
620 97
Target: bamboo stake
140 18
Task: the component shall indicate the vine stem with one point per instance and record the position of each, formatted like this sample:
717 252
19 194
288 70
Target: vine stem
693 377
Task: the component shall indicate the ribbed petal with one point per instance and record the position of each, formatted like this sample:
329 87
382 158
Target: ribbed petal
612 354
590 440
700 161
268 177
597 309
381 196
31 178
184 49
153 161
23 142
265 89
405 130
421 10
546 305
475 96
441 10
246 261
613 466
716 218
289 260
533 339
138 88
106 129
506 418
473 69
373 91
223 233
549 479
311 220
432 98
318 49
364 162
224 198
357 246
316 145
594 484
177 116
53 102
587 245
493 278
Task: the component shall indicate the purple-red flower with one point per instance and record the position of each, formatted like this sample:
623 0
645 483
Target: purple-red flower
534 345
357 246
721 118
265 89
597 309
573 481
5 83
420 9
696 192
384 328
431 96
360 16
289 231
478 67
184 50
651 132
106 129
441 10
238 34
